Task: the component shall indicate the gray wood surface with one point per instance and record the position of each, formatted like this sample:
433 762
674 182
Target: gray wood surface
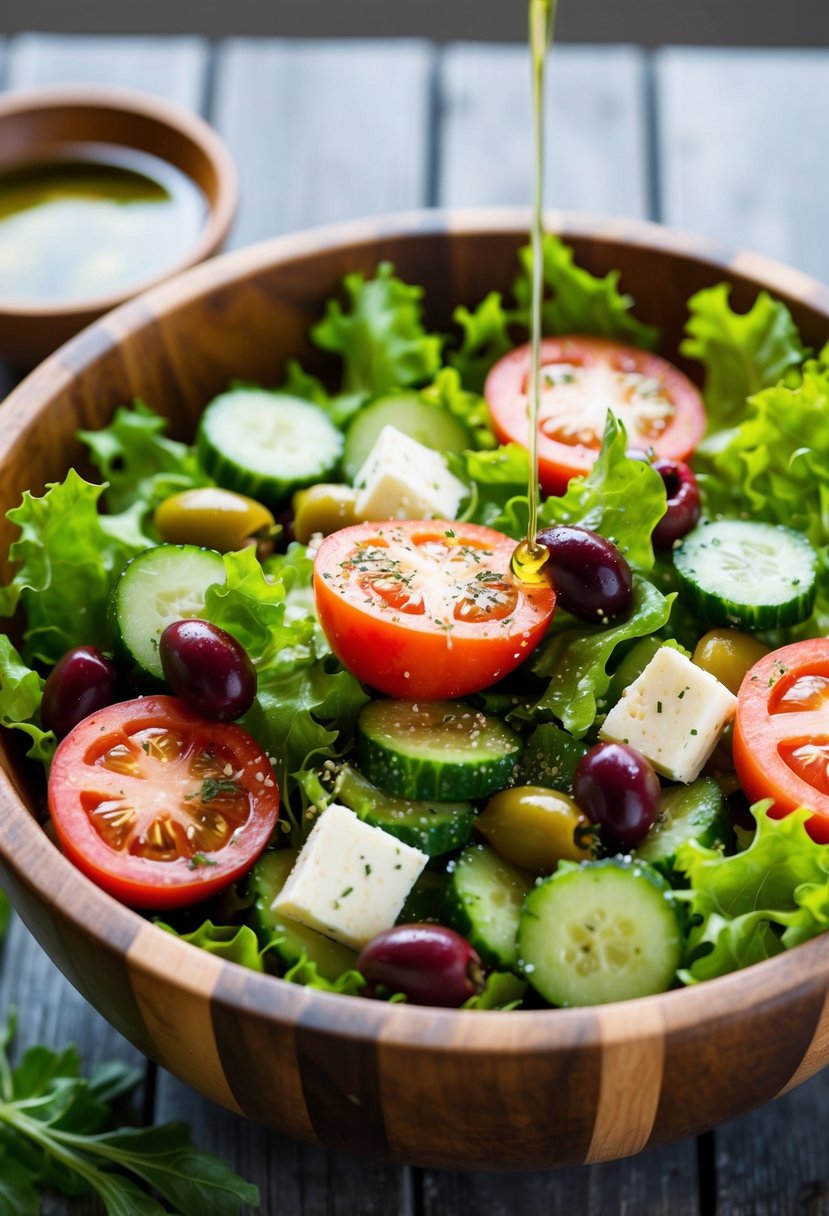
596 131
323 131
741 148
328 131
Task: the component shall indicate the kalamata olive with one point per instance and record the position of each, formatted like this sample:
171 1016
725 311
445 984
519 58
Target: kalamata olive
431 964
617 788
591 578
684 506
208 669
535 828
212 517
80 683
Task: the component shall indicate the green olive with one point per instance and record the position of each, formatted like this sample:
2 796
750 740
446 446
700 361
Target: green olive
728 654
325 509
535 828
211 517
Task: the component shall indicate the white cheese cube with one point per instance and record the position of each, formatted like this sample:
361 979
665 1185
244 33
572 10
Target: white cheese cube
350 880
673 713
402 479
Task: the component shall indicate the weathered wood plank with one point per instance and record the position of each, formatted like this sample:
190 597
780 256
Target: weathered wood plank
294 1179
173 67
739 140
323 131
775 1160
51 1011
595 139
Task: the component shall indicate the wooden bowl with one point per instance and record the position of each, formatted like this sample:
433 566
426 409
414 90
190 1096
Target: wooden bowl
427 1086
39 124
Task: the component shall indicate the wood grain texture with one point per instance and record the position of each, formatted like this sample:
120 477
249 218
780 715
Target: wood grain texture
595 132
323 131
520 1090
739 149
175 68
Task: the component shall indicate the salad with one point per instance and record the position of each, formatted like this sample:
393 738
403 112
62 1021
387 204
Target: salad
370 757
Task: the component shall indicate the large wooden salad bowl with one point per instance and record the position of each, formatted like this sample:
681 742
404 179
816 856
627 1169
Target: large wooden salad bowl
428 1086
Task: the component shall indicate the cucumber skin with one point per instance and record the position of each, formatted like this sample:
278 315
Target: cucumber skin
714 609
450 828
568 873
711 817
461 918
269 489
147 680
356 449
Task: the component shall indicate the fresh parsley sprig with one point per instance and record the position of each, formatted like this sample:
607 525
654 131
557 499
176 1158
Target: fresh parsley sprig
54 1134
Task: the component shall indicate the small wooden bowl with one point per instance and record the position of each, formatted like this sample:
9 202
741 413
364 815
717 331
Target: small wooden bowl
433 1087
39 124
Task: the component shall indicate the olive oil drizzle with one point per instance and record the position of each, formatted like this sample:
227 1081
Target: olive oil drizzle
529 557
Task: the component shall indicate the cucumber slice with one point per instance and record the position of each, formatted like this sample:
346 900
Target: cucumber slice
429 424
598 932
750 575
267 445
290 940
550 758
484 900
686 812
161 585
440 750
433 827
426 900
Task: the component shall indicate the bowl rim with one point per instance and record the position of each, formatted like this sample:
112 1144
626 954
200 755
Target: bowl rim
54 879
220 210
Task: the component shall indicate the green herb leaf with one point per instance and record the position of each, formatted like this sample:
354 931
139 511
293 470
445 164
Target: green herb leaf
18 1196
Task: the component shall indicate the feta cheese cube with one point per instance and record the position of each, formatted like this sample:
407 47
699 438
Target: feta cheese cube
673 713
402 479
350 880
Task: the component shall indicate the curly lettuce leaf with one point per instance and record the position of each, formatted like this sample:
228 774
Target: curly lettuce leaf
68 557
21 692
379 334
497 482
502 990
741 353
754 904
485 338
448 393
234 943
577 302
621 498
138 461
306 972
340 407
575 658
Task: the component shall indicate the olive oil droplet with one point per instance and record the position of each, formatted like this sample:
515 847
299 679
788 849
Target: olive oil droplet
528 561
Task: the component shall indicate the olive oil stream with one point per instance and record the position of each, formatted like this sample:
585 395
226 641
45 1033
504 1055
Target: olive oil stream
529 557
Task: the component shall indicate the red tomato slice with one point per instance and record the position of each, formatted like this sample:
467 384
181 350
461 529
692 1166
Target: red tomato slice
581 380
781 732
159 806
427 610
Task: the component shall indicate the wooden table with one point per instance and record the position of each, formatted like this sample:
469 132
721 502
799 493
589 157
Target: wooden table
729 143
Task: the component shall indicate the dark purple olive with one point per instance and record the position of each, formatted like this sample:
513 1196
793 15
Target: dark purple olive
617 788
684 506
208 669
80 683
591 578
432 965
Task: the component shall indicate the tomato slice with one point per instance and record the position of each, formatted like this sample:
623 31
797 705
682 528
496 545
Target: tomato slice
781 732
581 380
427 610
159 806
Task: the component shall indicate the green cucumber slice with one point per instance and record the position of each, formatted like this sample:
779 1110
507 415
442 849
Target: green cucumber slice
598 932
267 445
289 940
429 424
686 812
442 750
161 585
748 575
433 827
484 900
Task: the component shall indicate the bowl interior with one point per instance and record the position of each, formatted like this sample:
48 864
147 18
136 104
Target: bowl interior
243 316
